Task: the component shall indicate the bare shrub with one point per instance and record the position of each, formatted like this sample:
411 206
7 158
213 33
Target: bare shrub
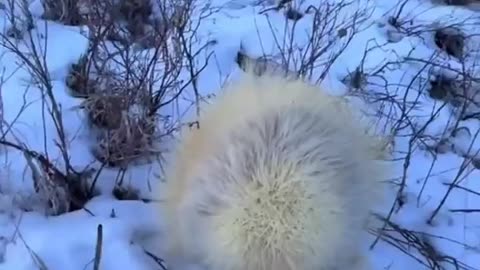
402 109
424 101
64 11
124 86
333 28
17 22
420 246
63 189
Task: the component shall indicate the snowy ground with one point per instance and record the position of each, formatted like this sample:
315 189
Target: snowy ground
398 66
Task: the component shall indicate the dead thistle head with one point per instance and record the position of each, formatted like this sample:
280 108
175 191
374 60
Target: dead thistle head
78 79
106 111
135 10
129 142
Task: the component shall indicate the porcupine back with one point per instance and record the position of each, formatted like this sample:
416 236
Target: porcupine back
279 176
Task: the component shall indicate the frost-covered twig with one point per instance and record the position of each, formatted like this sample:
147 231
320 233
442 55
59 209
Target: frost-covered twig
419 246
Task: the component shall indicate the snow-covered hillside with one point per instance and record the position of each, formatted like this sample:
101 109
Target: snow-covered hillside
88 114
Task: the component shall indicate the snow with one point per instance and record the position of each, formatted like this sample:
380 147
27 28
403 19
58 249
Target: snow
30 238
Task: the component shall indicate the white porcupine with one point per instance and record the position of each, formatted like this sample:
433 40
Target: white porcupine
279 176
